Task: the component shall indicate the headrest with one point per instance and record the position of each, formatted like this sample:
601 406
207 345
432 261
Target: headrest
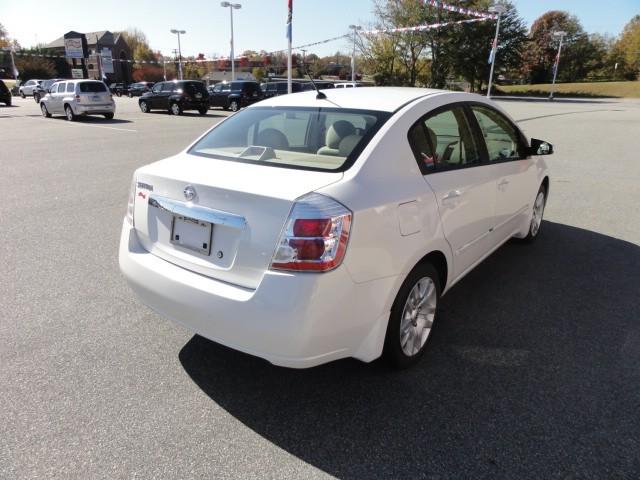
348 143
337 132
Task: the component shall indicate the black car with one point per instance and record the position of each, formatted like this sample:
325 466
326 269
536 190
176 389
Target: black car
274 89
139 89
118 89
235 95
43 88
176 97
5 94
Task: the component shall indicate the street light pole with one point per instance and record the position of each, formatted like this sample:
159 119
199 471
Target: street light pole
178 32
231 6
556 64
499 9
355 29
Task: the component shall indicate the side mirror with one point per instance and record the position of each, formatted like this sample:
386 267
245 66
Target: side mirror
540 147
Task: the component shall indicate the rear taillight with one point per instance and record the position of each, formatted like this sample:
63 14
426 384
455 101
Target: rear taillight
315 235
131 202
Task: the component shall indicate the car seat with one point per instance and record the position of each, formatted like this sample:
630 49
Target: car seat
336 134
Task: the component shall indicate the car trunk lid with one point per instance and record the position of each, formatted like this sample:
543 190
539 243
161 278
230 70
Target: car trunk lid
230 227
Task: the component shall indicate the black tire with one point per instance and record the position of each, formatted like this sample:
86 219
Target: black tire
144 106
45 112
234 106
108 116
23 95
130 95
68 111
203 110
36 97
119 94
393 348
175 109
534 232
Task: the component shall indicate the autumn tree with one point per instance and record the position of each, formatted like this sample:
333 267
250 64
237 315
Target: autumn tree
542 48
628 46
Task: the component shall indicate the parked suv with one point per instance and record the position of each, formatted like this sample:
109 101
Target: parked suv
176 97
274 89
43 88
78 97
26 89
138 89
5 94
235 95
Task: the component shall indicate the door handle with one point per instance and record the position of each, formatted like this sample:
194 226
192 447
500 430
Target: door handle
503 182
452 194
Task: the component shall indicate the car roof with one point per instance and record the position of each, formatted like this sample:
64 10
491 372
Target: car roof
386 99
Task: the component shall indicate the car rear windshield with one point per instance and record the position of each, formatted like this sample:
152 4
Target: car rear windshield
325 139
194 87
92 87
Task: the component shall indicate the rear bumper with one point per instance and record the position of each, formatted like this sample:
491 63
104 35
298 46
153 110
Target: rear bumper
95 109
194 104
291 320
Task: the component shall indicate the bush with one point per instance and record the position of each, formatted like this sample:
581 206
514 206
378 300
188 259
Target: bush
35 67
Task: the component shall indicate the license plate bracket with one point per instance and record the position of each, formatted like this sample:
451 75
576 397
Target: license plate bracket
192 234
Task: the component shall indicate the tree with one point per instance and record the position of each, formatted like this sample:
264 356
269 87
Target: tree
258 73
148 73
470 45
35 67
628 45
543 46
4 37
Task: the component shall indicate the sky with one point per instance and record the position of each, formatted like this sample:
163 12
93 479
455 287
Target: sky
258 25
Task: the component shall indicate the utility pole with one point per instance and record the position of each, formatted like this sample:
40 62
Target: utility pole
355 29
499 9
164 67
556 64
179 32
231 7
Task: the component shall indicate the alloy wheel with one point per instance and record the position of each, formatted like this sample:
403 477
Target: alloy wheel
417 316
538 211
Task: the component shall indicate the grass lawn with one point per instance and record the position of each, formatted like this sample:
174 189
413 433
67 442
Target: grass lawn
596 89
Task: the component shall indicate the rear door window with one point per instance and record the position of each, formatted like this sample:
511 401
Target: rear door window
168 87
71 87
443 141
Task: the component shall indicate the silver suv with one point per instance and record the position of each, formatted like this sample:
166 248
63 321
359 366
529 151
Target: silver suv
78 97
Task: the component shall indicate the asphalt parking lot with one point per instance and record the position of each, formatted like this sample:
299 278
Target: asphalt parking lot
533 372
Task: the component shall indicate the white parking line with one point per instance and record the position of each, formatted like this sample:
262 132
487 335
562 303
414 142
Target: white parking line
61 122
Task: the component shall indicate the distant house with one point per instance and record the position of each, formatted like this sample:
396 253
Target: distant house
96 41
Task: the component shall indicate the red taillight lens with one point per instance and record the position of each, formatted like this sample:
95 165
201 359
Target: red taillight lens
78 98
303 227
315 236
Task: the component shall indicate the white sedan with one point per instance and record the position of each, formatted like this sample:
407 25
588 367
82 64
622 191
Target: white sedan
317 226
